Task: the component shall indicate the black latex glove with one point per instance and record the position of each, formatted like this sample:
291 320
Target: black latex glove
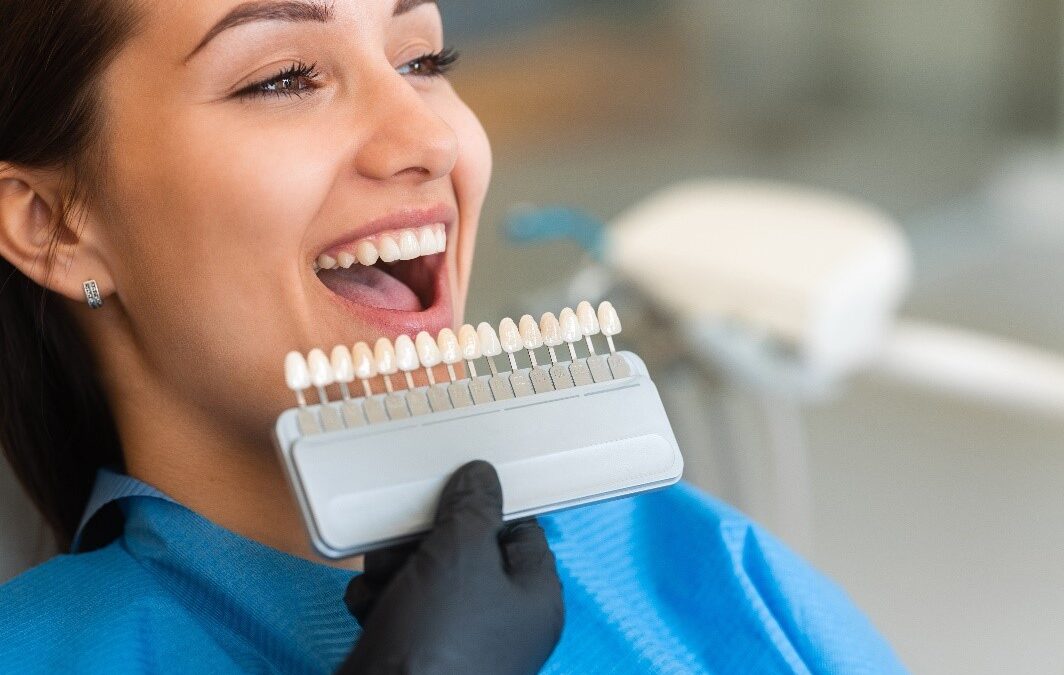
474 596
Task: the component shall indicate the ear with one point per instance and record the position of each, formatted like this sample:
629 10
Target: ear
31 203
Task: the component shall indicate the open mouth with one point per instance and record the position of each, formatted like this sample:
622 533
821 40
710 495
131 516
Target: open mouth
396 270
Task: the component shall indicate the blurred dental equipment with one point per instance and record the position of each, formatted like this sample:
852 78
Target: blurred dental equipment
367 471
785 293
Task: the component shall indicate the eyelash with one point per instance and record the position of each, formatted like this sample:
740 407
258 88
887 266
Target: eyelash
438 64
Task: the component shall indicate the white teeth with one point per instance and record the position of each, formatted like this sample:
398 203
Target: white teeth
296 372
405 245
367 253
609 322
365 362
321 372
509 336
406 354
408 245
530 335
551 330
342 364
428 350
450 351
589 324
389 250
469 341
570 326
489 340
384 355
427 241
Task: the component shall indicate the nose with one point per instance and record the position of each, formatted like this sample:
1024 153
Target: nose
407 137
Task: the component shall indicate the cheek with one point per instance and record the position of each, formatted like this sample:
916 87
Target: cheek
212 250
471 177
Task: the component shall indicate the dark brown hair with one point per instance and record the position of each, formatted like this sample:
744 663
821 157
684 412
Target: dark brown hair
56 428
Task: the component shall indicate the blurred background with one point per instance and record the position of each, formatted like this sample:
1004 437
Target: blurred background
940 509
941 514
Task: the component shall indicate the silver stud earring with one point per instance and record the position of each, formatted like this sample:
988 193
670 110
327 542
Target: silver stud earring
92 294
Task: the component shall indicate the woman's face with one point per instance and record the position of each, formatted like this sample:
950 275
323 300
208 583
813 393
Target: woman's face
248 142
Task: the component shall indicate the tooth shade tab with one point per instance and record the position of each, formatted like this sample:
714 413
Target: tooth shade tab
510 336
551 330
469 341
365 362
297 375
530 335
384 355
321 372
428 350
343 364
406 354
585 314
489 340
450 352
609 322
570 326
571 332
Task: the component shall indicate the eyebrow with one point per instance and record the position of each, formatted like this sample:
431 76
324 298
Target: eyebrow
292 11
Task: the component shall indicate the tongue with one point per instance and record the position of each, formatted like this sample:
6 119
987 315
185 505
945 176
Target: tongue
371 286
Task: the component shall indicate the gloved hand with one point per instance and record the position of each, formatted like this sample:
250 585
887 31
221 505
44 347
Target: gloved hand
474 596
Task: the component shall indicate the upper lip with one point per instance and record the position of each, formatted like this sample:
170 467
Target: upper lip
406 218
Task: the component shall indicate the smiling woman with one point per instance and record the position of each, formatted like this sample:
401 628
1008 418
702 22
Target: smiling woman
189 191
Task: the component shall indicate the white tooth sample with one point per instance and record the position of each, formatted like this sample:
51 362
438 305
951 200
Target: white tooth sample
428 351
469 343
609 322
489 340
343 366
585 313
450 352
552 334
366 252
589 324
406 358
490 346
530 337
510 338
326 262
365 366
408 245
384 355
321 372
389 250
297 375
427 241
345 260
571 332
441 238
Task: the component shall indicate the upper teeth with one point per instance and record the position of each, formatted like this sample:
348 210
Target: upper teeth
388 247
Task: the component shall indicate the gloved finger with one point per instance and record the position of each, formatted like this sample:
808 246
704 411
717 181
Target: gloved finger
471 502
526 552
380 567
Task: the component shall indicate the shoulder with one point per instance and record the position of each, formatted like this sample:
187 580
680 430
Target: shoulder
68 611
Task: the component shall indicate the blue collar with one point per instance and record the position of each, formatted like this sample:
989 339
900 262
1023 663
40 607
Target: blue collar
110 487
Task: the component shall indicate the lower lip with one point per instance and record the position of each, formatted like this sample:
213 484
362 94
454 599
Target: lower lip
391 323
